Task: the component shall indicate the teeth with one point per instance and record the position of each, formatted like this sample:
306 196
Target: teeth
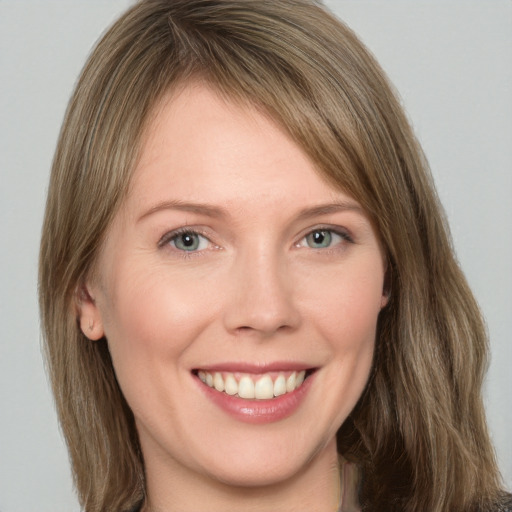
291 382
264 388
280 386
231 385
246 388
218 382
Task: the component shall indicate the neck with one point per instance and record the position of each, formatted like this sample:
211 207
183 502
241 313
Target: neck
316 487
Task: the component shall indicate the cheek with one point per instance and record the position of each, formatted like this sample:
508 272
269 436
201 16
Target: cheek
348 322
153 320
153 315
348 306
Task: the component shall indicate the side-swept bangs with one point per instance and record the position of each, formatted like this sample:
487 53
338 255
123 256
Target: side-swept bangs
301 66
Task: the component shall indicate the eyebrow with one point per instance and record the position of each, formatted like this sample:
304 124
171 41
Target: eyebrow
217 212
327 209
199 208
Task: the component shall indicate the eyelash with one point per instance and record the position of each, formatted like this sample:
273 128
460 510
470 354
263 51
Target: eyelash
342 233
174 235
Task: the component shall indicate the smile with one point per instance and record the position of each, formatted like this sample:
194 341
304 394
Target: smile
254 393
250 386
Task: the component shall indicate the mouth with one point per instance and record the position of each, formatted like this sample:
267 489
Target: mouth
254 386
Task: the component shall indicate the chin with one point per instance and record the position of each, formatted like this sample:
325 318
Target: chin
265 462
255 474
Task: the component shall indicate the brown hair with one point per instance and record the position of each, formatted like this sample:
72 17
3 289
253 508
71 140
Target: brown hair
418 432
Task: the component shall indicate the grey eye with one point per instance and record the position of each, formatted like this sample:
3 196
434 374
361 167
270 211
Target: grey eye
189 241
319 239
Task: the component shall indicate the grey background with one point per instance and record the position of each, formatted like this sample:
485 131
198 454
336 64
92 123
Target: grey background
451 62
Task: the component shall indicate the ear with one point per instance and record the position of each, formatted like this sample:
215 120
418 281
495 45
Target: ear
89 316
386 287
384 300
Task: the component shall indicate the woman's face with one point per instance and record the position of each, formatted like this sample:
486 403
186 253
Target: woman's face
233 262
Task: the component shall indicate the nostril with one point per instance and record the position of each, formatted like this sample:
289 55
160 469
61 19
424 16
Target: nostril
263 332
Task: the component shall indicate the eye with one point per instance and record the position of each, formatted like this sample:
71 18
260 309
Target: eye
188 241
323 239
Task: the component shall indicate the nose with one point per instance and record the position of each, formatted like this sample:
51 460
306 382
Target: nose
261 298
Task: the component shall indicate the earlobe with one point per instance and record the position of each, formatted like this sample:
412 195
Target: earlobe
386 288
89 316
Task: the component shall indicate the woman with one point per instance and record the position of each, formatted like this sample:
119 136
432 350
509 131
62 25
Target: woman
247 288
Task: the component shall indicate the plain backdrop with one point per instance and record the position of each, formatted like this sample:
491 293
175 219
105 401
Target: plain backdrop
452 64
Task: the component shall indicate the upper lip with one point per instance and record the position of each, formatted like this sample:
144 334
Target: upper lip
257 368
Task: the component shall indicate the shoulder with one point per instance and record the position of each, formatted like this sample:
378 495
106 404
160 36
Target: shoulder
137 508
505 504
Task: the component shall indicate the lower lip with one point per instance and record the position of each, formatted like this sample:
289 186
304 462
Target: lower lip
259 411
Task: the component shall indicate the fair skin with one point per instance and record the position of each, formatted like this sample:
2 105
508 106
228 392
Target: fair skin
274 276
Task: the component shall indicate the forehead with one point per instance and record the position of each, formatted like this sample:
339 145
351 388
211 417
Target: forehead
200 145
